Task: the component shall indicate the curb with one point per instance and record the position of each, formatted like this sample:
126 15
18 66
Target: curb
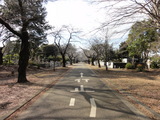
25 105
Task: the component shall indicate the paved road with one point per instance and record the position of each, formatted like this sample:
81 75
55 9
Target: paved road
80 95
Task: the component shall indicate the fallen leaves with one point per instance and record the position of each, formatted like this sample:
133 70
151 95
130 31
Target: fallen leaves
13 94
145 86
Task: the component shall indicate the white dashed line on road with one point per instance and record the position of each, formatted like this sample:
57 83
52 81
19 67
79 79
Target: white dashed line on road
82 88
85 80
72 102
81 75
93 108
76 90
78 80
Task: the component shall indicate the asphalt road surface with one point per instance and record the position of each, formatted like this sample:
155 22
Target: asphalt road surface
81 95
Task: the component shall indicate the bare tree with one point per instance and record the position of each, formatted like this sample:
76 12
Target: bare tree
1 55
125 11
1 48
71 52
62 38
91 55
97 47
107 52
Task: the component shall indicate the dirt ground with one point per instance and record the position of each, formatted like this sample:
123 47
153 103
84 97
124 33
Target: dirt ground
13 95
144 86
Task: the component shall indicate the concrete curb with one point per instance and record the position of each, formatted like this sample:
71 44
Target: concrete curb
37 95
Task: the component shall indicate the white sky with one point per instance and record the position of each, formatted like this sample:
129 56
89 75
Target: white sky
81 15
84 16
76 13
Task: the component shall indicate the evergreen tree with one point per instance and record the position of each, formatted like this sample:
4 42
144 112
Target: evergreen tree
24 19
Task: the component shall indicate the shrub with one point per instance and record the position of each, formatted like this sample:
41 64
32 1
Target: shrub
32 63
129 66
140 67
154 65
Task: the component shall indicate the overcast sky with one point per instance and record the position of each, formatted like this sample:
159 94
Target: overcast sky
76 13
82 15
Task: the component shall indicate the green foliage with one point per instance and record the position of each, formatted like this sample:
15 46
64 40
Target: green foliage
123 52
155 61
140 67
53 58
50 50
154 65
50 58
32 63
140 39
10 59
129 66
10 62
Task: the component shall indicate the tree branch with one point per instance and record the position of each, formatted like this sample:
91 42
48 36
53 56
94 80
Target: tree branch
9 27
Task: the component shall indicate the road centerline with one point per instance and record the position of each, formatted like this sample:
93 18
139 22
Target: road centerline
93 108
72 102
82 88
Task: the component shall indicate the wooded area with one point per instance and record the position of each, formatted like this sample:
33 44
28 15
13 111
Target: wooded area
24 30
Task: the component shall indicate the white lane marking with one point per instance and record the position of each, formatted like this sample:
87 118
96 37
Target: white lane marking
93 108
78 80
82 88
87 91
86 80
81 75
72 102
94 75
76 90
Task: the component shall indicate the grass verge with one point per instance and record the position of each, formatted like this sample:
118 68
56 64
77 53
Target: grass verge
140 88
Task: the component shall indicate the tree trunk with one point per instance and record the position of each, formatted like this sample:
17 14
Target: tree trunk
88 61
74 60
105 64
1 56
23 58
99 65
63 60
71 62
93 61
106 67
54 65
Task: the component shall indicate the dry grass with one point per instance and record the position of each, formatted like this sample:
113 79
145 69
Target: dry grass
144 86
13 95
